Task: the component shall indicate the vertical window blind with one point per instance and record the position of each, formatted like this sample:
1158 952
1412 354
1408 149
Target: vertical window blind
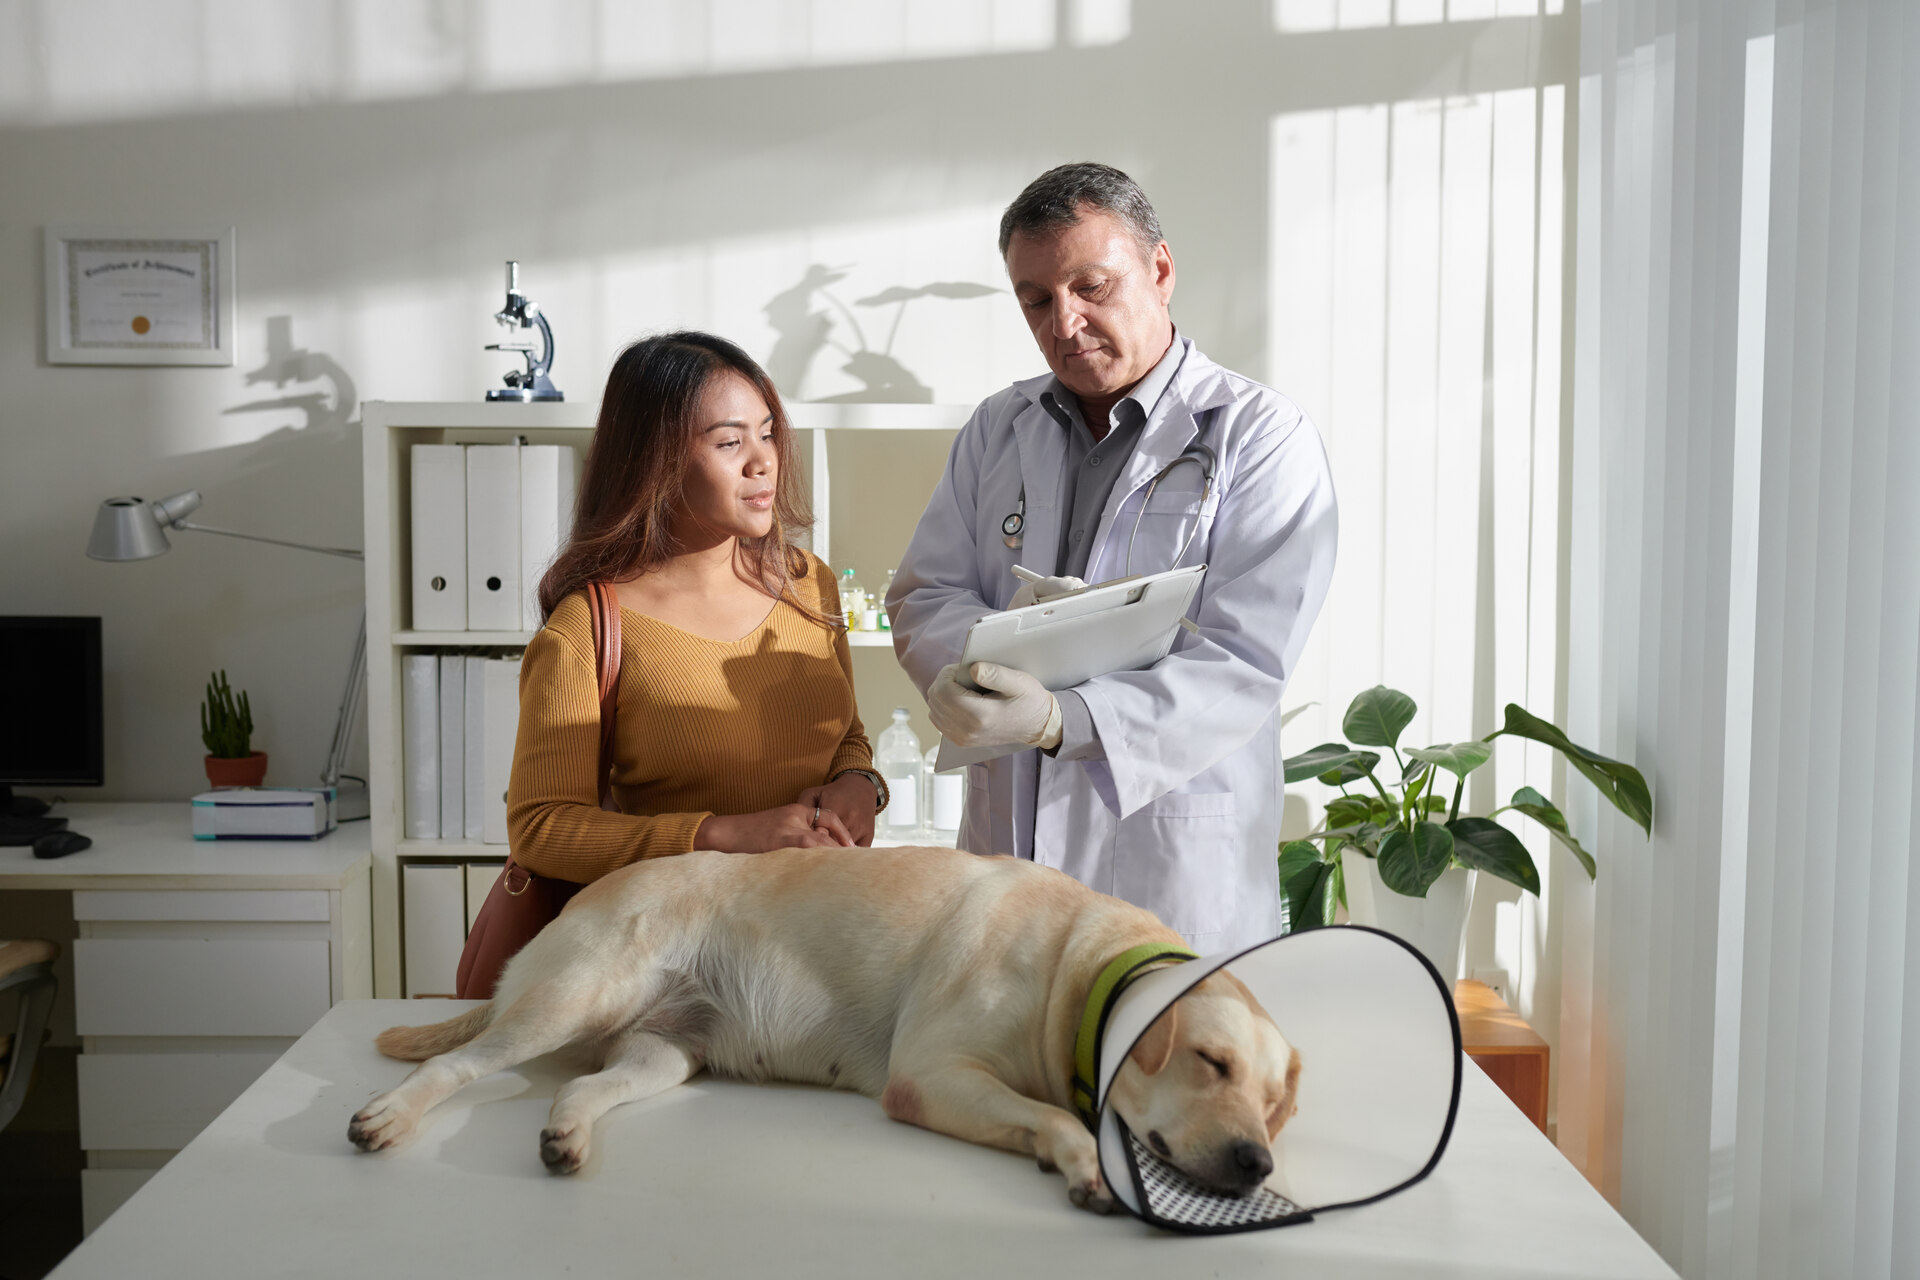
1740 1033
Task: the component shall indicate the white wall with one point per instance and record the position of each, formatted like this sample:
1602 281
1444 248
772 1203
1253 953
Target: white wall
668 164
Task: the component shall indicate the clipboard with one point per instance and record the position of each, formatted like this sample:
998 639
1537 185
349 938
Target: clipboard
1124 625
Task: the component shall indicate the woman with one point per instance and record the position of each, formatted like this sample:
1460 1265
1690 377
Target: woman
737 728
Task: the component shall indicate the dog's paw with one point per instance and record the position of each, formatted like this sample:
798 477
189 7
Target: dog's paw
1091 1194
563 1148
380 1124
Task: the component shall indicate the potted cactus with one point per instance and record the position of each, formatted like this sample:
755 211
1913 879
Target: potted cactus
226 727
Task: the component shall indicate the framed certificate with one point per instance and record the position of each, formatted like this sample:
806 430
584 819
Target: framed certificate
117 297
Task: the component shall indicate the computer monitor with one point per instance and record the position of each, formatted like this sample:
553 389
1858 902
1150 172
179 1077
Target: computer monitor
52 726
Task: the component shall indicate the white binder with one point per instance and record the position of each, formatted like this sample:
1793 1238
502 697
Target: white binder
420 744
546 519
435 926
502 713
474 786
439 568
493 537
453 745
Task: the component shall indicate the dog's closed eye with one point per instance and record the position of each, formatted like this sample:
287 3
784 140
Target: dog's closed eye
1220 1065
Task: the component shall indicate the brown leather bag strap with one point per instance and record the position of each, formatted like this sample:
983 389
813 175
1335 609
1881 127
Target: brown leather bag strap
604 606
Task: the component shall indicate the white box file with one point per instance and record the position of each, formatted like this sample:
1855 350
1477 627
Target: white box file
420 744
439 526
493 537
546 519
435 924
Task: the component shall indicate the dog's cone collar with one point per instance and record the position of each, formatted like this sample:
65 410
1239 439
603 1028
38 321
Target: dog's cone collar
1107 989
1379 1044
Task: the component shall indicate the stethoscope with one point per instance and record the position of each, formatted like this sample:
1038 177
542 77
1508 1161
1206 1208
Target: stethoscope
1012 529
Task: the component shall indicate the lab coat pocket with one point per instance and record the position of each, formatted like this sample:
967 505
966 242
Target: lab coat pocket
1179 858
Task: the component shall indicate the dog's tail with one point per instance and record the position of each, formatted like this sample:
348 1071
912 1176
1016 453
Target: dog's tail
417 1044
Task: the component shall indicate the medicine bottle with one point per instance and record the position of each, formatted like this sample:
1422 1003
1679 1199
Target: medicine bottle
897 758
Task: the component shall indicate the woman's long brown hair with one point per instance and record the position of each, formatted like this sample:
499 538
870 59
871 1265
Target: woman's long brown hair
634 478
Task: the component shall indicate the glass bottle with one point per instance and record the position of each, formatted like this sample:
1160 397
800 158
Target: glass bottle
853 599
946 798
897 758
882 622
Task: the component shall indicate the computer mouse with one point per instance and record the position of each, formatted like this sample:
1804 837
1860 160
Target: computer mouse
58 844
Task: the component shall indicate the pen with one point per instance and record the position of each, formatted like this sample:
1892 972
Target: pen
1025 574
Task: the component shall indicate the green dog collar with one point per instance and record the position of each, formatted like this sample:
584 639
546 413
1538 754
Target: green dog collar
1114 979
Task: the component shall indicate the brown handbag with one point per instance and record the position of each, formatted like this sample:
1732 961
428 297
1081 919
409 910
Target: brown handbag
521 903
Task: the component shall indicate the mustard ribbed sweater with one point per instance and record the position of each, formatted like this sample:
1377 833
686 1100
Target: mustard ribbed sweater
704 727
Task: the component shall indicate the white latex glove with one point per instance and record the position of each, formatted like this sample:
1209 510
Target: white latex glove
1016 709
1044 590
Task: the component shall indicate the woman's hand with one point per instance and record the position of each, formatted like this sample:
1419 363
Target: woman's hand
790 826
850 798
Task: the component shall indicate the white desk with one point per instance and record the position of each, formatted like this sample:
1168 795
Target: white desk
151 846
196 965
727 1180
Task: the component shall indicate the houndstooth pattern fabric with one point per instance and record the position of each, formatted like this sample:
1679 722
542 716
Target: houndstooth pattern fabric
1173 1199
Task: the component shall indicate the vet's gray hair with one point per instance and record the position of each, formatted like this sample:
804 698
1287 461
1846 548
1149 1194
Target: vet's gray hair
1058 198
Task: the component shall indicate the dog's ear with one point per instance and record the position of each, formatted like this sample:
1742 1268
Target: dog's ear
1153 1049
1283 1110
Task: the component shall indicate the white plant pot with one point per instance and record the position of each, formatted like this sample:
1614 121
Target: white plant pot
1436 925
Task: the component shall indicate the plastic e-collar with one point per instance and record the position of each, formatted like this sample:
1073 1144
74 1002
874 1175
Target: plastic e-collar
1379 1084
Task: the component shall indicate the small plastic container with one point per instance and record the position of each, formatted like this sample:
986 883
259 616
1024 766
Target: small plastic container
946 798
884 623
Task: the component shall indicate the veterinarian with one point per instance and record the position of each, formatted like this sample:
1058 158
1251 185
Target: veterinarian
736 728
1136 454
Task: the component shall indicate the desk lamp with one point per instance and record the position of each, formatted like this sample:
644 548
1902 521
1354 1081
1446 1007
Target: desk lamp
135 529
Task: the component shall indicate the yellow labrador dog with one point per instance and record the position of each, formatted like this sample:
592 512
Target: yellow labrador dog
948 986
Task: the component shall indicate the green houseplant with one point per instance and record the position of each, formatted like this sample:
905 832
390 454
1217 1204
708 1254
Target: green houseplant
1413 831
226 727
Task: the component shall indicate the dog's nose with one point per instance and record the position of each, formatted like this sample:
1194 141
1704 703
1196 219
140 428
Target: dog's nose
1253 1161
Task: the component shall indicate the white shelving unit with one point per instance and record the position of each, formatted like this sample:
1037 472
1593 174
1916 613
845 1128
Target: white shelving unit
389 430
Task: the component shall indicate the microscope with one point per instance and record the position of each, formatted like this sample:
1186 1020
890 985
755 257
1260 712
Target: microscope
522 312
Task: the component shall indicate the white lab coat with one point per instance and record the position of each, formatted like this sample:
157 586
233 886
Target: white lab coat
1183 815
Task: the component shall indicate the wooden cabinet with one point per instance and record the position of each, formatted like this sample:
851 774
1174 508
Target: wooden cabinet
1501 1043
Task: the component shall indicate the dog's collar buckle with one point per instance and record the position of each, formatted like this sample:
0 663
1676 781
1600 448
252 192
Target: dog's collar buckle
1119 974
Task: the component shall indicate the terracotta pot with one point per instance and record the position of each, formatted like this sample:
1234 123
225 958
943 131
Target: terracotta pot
246 771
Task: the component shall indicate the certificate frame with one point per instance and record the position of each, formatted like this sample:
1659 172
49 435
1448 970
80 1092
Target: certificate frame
102 282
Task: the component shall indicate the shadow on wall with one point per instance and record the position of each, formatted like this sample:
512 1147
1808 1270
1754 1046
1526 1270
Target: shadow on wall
805 333
322 445
328 410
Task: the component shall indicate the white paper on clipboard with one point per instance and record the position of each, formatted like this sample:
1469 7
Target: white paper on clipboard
1124 625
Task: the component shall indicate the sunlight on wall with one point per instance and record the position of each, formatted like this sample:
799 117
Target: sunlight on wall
806 303
70 60
802 301
1349 15
1416 262
1097 22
